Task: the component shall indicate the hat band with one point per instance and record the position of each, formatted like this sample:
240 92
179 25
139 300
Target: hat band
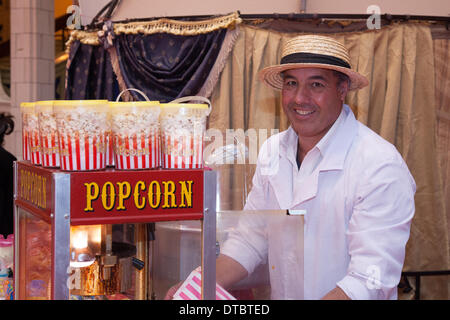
303 57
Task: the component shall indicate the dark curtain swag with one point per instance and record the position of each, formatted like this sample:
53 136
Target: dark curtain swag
167 66
165 59
90 74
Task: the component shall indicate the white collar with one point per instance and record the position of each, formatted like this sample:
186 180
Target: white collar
336 141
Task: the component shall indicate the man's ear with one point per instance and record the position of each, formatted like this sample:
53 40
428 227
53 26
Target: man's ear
343 89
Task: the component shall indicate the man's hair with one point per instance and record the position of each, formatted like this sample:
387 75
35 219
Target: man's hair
342 77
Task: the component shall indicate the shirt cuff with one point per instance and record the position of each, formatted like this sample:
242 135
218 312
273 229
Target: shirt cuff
356 288
235 250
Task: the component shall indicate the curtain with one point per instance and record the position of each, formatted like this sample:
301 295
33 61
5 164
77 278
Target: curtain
442 76
167 66
163 58
89 73
399 104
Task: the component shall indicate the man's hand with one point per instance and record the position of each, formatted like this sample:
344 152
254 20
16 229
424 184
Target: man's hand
172 290
228 272
336 294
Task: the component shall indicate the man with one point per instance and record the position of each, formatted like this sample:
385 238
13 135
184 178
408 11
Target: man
354 188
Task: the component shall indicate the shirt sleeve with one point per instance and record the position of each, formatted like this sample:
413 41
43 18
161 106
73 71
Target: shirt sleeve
247 243
378 231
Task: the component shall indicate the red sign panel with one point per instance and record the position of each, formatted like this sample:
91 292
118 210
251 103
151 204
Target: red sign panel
34 189
111 196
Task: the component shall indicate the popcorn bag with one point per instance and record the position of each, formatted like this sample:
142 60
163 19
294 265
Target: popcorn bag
48 135
29 125
183 127
135 133
191 289
83 127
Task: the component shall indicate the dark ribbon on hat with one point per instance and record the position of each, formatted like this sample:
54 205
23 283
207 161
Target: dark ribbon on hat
303 57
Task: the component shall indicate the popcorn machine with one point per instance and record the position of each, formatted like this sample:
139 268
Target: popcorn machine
90 235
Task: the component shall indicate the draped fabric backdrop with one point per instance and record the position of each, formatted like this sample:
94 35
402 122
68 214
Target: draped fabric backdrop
161 64
442 72
399 104
165 59
89 73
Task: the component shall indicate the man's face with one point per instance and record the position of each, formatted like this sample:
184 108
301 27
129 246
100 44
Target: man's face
312 100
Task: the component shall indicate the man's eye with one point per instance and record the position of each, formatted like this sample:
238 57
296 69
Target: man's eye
290 83
317 85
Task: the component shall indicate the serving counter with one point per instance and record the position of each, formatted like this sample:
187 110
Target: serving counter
92 234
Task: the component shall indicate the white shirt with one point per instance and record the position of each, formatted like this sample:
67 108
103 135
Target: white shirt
358 197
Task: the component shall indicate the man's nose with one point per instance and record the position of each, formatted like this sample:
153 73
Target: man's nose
302 95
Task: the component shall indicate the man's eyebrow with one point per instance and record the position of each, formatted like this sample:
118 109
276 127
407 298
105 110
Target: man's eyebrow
318 77
287 76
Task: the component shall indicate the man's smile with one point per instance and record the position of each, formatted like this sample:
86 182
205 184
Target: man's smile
304 112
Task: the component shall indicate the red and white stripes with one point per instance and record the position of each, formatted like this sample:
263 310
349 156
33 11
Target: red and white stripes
35 148
26 152
109 150
191 289
137 152
79 153
182 152
49 150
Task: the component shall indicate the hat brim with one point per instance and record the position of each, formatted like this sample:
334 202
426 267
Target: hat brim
272 75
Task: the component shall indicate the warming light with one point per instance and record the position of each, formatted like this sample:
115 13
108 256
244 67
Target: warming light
80 254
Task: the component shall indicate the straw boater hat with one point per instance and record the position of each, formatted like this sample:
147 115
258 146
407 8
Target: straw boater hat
313 51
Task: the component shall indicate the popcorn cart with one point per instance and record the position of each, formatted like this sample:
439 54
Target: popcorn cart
91 234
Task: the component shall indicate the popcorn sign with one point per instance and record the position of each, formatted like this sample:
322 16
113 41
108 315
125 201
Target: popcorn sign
99 197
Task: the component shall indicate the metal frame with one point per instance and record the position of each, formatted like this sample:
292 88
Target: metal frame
16 234
61 236
417 274
209 236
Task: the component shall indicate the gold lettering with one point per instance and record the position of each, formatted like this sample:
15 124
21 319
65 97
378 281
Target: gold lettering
169 191
140 185
112 196
186 193
39 184
28 185
123 195
33 189
44 192
92 191
154 198
22 183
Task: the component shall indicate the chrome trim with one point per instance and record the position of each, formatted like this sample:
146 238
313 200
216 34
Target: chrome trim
209 236
61 229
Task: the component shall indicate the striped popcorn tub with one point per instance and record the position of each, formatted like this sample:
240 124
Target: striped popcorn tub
183 127
191 289
135 134
30 133
48 135
83 126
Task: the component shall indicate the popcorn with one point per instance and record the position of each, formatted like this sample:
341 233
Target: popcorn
135 132
83 128
48 134
30 133
183 128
